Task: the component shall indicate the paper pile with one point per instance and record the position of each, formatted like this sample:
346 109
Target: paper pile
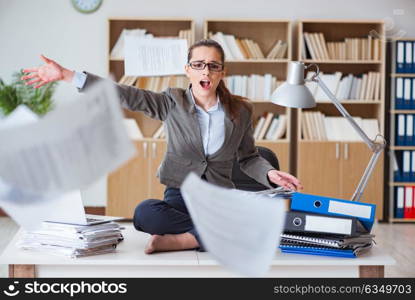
73 240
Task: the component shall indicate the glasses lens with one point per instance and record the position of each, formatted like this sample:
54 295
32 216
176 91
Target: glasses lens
197 65
215 67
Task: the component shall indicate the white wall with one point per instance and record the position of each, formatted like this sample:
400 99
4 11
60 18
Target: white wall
78 41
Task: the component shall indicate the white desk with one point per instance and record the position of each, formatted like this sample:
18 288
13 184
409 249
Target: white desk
130 261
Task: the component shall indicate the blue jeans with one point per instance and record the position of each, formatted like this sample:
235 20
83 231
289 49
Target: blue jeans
165 217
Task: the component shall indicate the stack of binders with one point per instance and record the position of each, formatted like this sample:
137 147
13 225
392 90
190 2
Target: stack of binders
327 226
73 240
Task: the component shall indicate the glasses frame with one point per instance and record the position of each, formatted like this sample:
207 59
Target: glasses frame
206 64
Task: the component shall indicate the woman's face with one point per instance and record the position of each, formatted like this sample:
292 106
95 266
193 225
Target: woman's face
205 81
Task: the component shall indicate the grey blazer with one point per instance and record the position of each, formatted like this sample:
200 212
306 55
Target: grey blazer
185 152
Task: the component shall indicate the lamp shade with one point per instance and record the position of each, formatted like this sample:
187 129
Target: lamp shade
293 92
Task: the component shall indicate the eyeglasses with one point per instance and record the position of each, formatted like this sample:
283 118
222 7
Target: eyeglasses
200 65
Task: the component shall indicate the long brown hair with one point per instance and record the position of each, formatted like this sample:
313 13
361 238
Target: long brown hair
231 103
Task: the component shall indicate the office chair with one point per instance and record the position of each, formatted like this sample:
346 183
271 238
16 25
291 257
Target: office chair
246 183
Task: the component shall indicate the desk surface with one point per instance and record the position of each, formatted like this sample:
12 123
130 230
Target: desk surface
131 252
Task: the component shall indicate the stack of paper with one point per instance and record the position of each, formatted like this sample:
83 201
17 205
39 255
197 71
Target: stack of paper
73 240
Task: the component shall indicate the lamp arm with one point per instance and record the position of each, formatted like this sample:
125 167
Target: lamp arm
374 146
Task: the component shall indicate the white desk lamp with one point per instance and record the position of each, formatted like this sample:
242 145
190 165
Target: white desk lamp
293 93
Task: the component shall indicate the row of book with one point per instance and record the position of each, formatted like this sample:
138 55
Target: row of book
117 51
405 57
242 48
270 126
156 83
344 231
366 86
316 126
403 166
405 93
405 202
316 47
405 130
254 87
73 241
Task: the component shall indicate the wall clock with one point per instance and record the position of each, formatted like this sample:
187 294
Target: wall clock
86 6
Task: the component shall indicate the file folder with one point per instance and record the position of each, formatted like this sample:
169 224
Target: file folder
413 92
399 204
413 58
364 212
412 174
400 55
409 132
322 251
407 93
396 169
408 57
407 212
304 222
406 174
399 93
400 137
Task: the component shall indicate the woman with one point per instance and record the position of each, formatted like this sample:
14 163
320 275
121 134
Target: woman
206 128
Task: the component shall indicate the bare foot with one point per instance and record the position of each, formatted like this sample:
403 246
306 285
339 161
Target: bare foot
171 242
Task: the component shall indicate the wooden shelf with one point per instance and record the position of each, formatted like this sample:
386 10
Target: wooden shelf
334 61
402 75
402 147
396 183
253 60
265 32
259 61
398 220
123 191
352 101
402 111
342 162
393 185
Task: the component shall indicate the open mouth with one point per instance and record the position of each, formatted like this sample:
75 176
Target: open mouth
205 84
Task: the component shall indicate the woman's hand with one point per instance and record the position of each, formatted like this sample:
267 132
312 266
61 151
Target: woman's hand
49 72
285 180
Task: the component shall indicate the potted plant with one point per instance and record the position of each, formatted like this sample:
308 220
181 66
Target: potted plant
38 100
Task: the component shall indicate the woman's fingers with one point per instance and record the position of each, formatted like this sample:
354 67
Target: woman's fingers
31 70
29 76
39 85
33 81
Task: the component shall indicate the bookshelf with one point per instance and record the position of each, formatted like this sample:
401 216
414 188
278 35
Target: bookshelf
401 106
266 33
342 160
136 180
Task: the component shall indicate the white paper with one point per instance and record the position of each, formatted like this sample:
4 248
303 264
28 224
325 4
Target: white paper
241 230
154 57
27 209
70 148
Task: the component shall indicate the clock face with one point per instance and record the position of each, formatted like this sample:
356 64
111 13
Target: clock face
86 6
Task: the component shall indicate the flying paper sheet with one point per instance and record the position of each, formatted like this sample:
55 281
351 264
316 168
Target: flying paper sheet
241 230
154 57
69 148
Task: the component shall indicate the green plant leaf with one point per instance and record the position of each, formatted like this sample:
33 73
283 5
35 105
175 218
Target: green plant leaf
38 100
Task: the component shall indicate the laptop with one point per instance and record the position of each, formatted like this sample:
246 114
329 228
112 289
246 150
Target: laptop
69 209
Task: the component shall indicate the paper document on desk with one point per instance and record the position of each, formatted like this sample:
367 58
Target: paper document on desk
154 57
69 148
241 230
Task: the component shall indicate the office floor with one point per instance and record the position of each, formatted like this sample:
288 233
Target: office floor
397 239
